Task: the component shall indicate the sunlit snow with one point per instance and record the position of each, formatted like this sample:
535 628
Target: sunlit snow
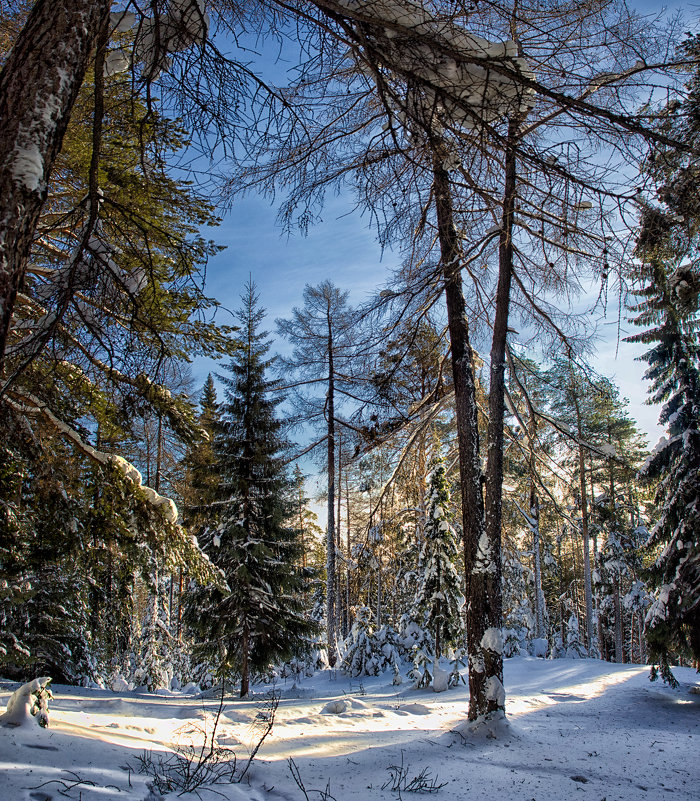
574 727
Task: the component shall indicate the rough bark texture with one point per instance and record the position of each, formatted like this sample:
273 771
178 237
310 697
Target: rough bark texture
491 696
38 87
466 419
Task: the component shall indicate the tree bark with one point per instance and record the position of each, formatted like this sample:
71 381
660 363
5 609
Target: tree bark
38 87
463 377
490 572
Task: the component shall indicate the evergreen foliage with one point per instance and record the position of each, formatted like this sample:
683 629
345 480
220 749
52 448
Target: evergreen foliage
439 596
668 311
360 658
259 617
673 622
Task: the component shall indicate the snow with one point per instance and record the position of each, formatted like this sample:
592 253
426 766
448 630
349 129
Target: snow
495 691
573 726
441 679
24 704
492 641
28 167
484 563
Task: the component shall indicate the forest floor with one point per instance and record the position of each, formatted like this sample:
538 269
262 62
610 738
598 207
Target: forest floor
581 729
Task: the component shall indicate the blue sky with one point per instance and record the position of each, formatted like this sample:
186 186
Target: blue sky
343 248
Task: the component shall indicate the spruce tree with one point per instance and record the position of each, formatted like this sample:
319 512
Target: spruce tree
439 595
259 617
667 249
673 621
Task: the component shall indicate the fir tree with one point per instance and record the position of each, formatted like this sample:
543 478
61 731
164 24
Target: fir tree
259 618
667 248
439 594
673 621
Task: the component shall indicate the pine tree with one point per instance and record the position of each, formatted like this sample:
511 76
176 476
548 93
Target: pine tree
259 617
323 345
439 596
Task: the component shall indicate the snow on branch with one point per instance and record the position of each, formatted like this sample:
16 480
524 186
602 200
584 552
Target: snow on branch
184 25
31 405
469 80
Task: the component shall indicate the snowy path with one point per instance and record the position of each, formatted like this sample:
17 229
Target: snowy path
585 729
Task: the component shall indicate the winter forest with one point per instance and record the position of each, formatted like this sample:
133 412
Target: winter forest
398 545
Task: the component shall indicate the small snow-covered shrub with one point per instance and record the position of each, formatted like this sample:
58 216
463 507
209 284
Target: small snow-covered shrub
421 673
32 699
575 649
119 684
538 647
511 642
459 661
360 658
558 649
441 678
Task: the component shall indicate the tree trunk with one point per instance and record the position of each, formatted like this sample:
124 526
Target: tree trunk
488 571
619 652
38 87
245 662
539 595
339 596
587 586
330 530
470 473
346 619
379 588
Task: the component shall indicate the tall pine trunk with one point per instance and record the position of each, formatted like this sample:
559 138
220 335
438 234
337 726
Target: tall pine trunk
38 87
587 583
463 377
489 568
539 594
330 530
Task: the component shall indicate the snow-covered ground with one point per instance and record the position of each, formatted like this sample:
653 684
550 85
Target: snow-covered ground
577 729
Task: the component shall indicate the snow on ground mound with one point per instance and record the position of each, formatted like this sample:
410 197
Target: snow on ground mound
582 726
28 704
334 708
